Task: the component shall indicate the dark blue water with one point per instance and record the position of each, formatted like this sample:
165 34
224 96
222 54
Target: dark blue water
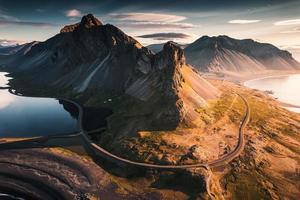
28 116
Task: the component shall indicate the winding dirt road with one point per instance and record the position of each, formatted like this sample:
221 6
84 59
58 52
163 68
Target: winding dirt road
215 163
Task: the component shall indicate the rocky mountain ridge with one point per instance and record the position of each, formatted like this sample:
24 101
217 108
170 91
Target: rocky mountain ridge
90 58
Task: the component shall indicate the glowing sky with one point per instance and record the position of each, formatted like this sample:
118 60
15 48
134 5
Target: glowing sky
157 21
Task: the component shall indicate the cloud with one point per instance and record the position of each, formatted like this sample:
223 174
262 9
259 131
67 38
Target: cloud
287 22
291 47
25 23
151 20
165 36
295 30
147 17
5 42
154 25
4 16
73 13
243 21
10 20
40 10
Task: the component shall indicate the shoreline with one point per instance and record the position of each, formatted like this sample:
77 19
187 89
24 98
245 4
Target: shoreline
253 77
269 74
241 79
286 105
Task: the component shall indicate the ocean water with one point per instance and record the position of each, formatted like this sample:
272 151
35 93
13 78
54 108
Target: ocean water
286 88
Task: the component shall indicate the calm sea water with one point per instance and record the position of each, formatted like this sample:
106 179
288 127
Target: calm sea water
285 88
28 116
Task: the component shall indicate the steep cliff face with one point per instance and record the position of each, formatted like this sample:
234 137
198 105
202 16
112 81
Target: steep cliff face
165 97
225 54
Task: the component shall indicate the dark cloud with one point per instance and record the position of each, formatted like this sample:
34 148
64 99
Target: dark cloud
25 23
165 36
106 6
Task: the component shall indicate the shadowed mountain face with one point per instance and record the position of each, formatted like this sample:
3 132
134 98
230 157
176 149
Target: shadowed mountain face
222 53
73 58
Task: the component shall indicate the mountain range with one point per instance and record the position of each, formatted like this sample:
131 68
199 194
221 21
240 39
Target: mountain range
90 56
8 50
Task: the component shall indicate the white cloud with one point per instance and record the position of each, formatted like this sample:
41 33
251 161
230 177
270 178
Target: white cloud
147 17
243 21
291 47
295 30
287 22
73 13
151 20
5 42
155 25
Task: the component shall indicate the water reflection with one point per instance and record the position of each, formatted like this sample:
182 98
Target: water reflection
3 79
5 99
28 117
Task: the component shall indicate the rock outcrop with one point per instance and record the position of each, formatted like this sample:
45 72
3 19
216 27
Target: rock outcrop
158 47
87 22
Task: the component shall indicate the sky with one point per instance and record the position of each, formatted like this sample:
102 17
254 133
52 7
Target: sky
158 21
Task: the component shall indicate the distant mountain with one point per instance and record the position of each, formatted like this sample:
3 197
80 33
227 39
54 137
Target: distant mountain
225 54
13 55
91 58
158 47
7 50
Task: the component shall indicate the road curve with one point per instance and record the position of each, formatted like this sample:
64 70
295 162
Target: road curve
119 160
218 162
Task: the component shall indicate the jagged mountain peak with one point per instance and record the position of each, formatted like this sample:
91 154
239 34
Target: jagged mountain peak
171 46
173 52
158 47
88 21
